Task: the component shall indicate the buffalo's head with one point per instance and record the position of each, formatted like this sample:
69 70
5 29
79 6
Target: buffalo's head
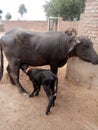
83 48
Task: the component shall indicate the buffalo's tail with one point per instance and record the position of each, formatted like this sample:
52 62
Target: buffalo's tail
56 86
1 62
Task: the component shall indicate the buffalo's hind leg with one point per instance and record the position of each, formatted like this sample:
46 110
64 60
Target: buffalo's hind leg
14 74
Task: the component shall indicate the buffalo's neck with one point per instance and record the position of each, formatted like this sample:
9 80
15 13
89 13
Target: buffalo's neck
71 54
62 60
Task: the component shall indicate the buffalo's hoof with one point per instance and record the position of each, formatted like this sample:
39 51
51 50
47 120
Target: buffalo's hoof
12 82
25 94
31 95
23 91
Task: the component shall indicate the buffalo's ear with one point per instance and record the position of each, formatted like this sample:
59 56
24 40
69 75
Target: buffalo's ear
77 41
74 44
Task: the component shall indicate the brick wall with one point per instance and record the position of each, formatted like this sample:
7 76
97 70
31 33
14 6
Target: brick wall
39 25
63 25
30 25
90 20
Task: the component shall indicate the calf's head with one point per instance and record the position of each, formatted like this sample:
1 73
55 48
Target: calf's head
83 48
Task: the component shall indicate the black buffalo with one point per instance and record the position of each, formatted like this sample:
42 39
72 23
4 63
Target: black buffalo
47 48
43 77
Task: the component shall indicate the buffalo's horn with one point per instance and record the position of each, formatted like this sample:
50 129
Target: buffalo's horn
71 31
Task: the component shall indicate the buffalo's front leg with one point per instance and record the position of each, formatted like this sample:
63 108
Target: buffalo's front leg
9 71
54 69
14 74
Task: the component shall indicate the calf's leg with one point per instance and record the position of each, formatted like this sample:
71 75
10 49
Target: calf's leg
54 87
50 97
36 90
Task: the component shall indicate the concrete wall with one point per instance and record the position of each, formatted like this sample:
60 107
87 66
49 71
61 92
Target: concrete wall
82 72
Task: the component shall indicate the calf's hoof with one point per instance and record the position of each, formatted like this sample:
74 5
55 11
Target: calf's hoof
47 112
36 94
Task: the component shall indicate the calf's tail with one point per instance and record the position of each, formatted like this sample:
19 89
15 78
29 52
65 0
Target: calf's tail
1 62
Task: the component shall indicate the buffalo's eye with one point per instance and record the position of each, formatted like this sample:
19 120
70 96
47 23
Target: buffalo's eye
86 46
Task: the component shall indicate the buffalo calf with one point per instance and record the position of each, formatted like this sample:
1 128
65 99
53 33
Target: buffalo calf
43 77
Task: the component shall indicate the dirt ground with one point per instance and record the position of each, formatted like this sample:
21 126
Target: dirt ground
76 106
